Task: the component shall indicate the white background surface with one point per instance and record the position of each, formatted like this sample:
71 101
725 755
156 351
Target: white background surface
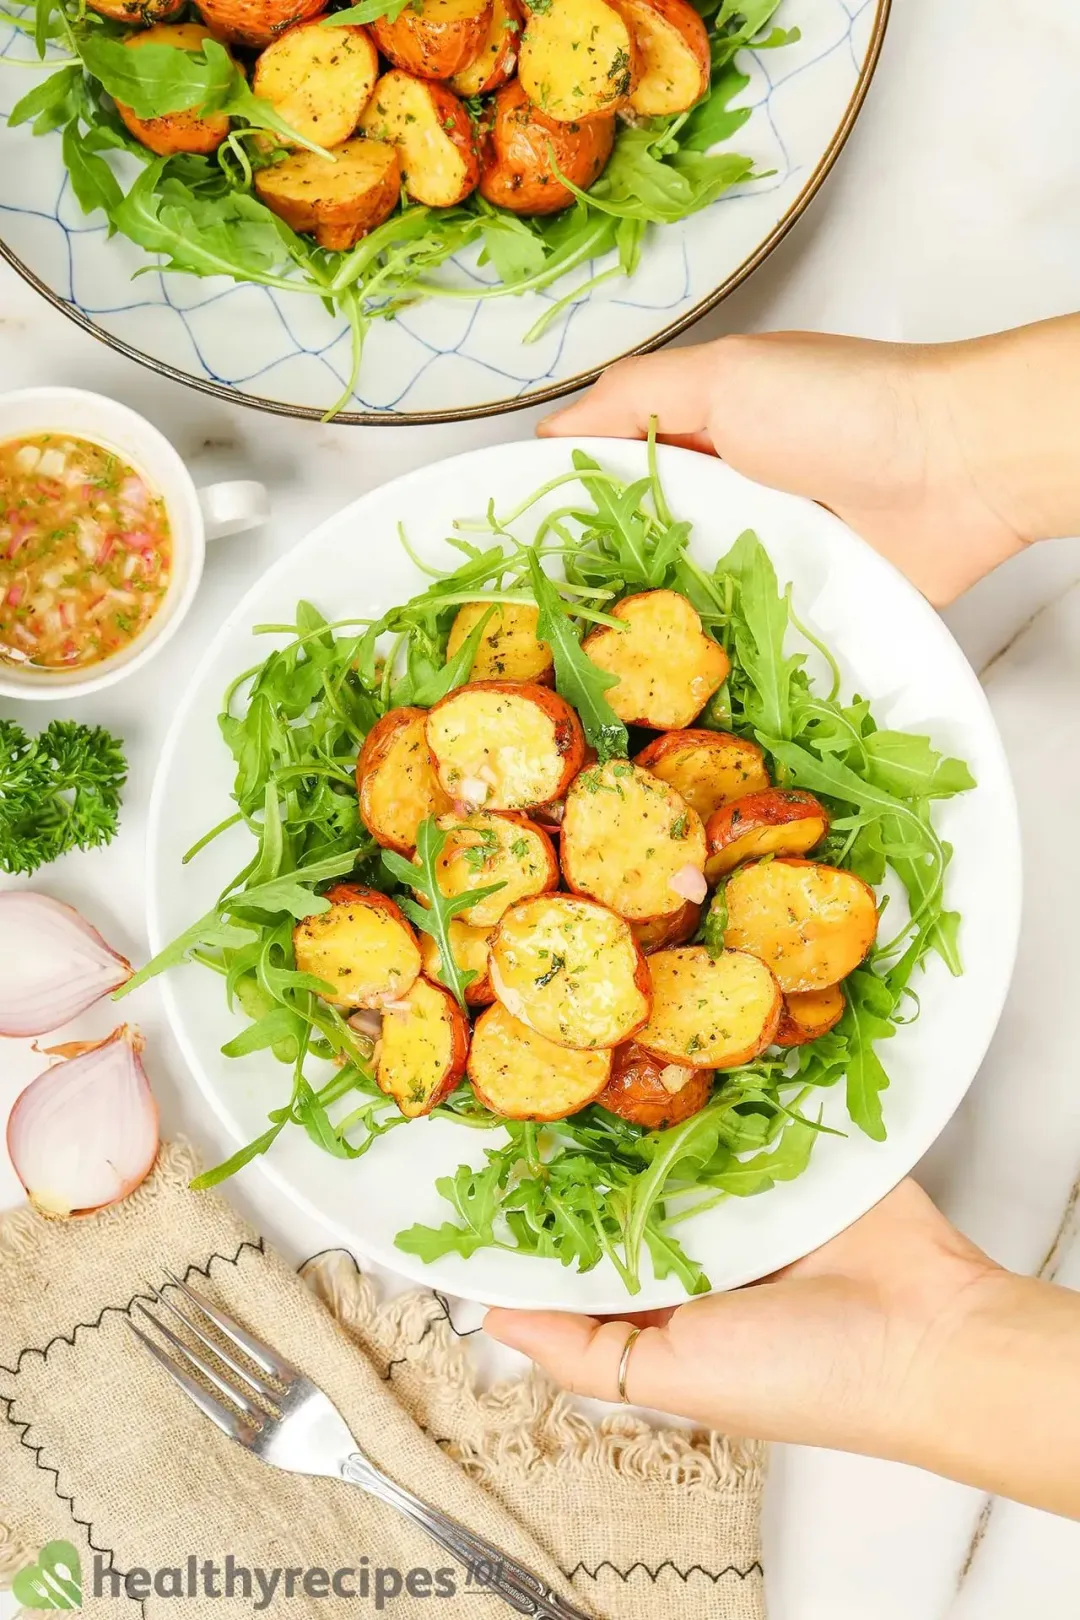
953 211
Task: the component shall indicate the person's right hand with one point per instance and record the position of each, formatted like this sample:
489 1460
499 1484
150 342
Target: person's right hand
947 459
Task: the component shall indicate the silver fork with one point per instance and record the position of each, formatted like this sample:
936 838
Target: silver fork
304 1433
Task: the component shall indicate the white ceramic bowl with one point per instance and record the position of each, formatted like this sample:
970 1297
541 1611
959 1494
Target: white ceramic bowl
445 359
195 516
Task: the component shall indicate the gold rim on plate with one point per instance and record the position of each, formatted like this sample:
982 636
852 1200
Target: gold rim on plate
539 396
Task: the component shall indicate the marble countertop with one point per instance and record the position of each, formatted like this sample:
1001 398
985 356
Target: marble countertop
951 212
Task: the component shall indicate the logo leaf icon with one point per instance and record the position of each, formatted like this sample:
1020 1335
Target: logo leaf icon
54 1582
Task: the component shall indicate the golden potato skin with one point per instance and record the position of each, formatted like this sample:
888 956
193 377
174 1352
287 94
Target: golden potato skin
517 1073
811 924
255 22
658 933
707 768
518 740
422 1050
363 946
137 13
434 39
780 821
509 649
440 161
339 200
496 60
523 151
396 781
319 79
625 837
637 1093
710 1012
186 131
676 63
668 668
810 1014
577 59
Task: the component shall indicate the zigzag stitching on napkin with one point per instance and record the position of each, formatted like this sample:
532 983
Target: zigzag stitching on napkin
257 1245
714 1575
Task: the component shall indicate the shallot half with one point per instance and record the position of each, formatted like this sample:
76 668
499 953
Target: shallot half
85 1133
53 965
690 883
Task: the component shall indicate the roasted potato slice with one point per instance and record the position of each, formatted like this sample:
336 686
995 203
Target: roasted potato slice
509 649
396 780
434 39
631 842
810 924
571 970
809 1014
496 60
668 668
647 1091
710 1012
423 1049
136 13
521 1075
256 22
489 847
659 933
363 946
523 151
434 134
186 131
577 58
504 745
319 79
675 59
470 947
709 768
780 821
338 200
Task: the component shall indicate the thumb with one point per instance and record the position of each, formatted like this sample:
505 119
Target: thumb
676 387
583 1355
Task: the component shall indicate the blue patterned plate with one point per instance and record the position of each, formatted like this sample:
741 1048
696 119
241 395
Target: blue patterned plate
452 358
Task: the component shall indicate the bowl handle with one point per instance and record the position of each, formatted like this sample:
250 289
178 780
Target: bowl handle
231 508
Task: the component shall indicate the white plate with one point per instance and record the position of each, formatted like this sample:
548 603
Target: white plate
447 358
892 647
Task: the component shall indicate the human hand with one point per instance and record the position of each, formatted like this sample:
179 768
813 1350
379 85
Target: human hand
947 459
838 1349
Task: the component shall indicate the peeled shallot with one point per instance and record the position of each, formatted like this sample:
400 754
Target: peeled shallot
53 965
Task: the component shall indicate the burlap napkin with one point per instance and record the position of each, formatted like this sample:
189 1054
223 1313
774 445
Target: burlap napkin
100 1450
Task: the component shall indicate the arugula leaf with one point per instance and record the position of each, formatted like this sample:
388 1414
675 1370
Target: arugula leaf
581 682
455 672
474 1195
867 1019
715 925
745 1178
92 181
50 103
908 766
761 624
368 11
435 918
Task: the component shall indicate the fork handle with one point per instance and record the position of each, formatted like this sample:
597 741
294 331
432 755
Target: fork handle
492 1570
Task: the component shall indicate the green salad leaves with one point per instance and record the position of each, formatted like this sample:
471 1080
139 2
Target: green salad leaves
202 217
592 1186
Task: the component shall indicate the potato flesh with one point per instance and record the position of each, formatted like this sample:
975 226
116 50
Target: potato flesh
626 836
777 822
421 1049
504 742
667 667
470 947
509 649
809 1014
710 1013
365 950
399 788
319 79
708 768
651 1093
570 970
577 58
673 44
521 1075
487 848
427 123
497 58
792 838
811 924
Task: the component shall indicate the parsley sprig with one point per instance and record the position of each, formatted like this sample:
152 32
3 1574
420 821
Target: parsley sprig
58 791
